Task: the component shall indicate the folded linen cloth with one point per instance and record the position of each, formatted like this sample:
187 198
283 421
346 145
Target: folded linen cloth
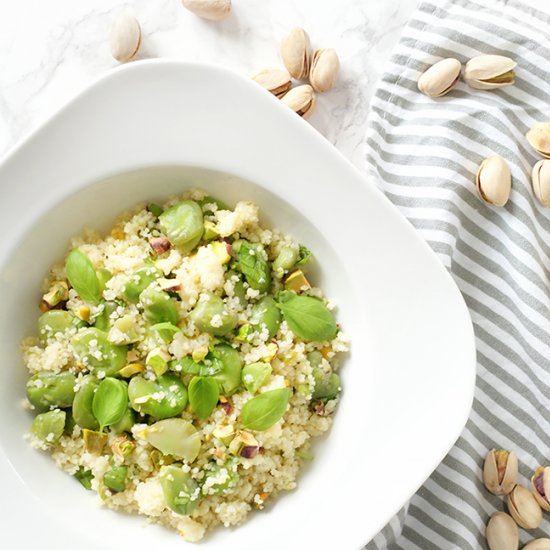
424 154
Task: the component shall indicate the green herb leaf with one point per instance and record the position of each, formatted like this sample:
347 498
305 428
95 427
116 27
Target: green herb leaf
307 317
254 266
85 477
110 402
203 395
304 256
82 276
264 410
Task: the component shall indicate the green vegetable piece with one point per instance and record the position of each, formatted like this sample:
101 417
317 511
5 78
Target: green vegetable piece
210 231
210 205
158 359
93 350
56 321
203 395
264 410
158 307
126 423
238 285
174 436
85 477
49 426
315 358
180 489
125 330
286 260
304 255
210 315
69 422
266 314
255 376
110 402
166 331
183 225
46 390
307 317
229 366
103 276
115 478
185 365
254 266
138 282
220 479
82 404
155 209
161 398
82 276
327 385
244 332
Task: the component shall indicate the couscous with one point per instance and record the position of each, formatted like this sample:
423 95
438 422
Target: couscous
183 363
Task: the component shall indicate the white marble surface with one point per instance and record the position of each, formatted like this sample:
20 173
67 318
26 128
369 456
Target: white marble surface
49 51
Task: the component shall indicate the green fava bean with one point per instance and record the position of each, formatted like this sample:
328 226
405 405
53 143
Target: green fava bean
47 390
180 489
214 472
254 265
56 321
210 315
264 410
93 350
103 276
255 376
183 225
162 398
315 358
82 404
166 331
210 205
103 320
266 314
286 260
228 365
82 276
115 478
174 436
158 307
327 385
126 423
110 402
138 282
49 426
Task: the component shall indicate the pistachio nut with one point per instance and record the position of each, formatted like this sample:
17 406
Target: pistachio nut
538 544
540 486
214 10
502 532
486 72
540 178
524 508
125 38
295 52
494 181
325 67
301 100
440 78
500 471
539 138
273 80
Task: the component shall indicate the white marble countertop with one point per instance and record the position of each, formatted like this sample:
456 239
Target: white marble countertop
52 50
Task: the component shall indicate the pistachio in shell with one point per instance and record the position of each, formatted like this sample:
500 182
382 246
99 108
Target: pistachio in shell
500 471
276 81
539 138
502 532
494 181
440 78
301 100
213 10
524 508
486 72
325 67
125 38
540 487
540 178
538 544
295 52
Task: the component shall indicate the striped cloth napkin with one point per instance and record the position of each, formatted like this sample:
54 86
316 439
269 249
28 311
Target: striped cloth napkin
424 153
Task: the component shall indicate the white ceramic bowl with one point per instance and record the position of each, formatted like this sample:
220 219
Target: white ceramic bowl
155 128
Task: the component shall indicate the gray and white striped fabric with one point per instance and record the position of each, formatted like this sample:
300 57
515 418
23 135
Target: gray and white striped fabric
424 154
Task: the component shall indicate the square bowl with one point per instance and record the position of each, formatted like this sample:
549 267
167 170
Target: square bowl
154 128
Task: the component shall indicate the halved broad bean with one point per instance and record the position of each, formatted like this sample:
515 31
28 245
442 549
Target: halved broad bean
266 314
254 265
125 330
158 307
139 281
220 479
228 364
211 315
183 225
93 350
115 478
286 260
46 390
161 398
255 376
49 426
55 321
174 436
82 404
327 384
180 489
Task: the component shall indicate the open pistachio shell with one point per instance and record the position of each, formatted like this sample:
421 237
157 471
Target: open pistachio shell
494 181
301 100
540 178
502 532
500 471
524 508
539 138
486 72
273 80
538 544
440 78
540 487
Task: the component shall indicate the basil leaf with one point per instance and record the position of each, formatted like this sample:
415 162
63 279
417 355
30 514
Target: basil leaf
82 276
304 255
264 410
254 266
85 477
307 317
110 402
203 395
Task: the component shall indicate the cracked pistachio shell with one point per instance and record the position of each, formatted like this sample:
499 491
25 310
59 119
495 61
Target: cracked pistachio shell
540 487
524 508
539 138
541 181
486 72
440 78
494 181
214 10
502 532
538 544
325 67
301 100
125 38
295 52
273 80
500 471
